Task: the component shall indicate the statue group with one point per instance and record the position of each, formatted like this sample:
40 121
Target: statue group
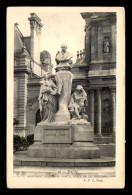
71 106
64 123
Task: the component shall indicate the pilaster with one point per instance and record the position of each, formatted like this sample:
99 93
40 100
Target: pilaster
113 98
92 107
35 26
99 119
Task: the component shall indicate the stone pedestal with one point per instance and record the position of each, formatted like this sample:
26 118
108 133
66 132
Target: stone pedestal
64 77
64 142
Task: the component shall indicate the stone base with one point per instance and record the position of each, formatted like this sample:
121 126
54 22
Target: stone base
83 133
107 149
75 151
21 159
62 116
103 140
64 142
112 139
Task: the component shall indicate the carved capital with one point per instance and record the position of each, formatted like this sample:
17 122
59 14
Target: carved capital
91 92
36 26
32 23
99 90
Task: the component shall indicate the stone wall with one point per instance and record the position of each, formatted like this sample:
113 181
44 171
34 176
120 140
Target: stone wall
32 106
100 30
20 102
16 85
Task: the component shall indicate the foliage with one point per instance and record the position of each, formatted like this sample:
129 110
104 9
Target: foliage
22 143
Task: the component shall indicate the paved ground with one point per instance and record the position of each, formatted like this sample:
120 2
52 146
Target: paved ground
33 171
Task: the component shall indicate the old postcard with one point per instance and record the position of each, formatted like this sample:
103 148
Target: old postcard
65 97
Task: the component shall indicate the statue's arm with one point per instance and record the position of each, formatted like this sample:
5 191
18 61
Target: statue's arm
70 61
84 97
53 92
71 101
57 61
53 84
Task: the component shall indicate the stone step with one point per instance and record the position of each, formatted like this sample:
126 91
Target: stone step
83 144
21 159
71 152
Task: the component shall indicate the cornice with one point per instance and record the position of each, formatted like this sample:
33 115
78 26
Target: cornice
24 69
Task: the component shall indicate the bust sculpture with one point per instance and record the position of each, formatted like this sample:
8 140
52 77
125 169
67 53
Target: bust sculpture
63 58
47 101
64 62
78 104
64 83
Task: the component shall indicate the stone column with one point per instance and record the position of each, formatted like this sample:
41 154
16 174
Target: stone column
35 32
22 95
99 112
113 94
92 106
64 79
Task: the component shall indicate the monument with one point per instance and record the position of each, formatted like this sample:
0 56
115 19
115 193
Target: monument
66 134
64 83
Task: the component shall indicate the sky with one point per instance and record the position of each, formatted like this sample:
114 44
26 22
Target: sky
60 25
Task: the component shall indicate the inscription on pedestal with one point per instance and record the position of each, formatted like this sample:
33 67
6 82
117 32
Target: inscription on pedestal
57 136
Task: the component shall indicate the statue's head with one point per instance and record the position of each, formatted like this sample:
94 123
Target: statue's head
63 47
79 88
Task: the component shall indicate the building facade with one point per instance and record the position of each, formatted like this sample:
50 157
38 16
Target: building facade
29 67
94 69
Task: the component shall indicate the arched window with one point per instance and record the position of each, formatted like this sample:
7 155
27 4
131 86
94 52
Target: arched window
106 45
